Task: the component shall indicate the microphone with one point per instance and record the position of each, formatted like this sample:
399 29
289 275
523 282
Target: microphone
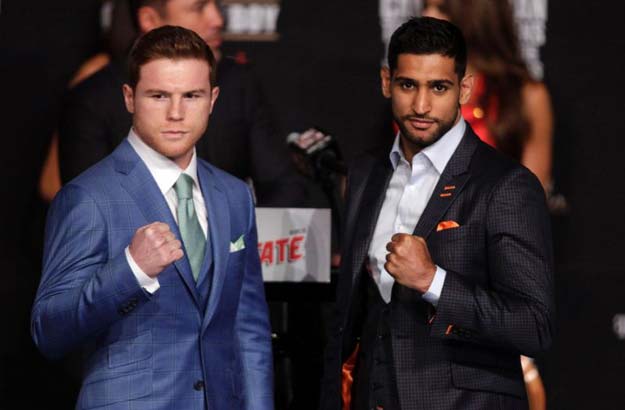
316 153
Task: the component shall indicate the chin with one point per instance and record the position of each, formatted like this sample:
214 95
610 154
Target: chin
174 151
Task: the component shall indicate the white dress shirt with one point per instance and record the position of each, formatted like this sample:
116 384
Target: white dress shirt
165 172
408 193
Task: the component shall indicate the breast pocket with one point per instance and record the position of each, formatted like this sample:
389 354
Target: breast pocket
459 249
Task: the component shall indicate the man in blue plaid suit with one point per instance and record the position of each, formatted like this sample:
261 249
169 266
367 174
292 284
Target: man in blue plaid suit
151 263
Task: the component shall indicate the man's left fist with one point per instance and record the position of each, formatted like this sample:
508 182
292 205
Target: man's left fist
409 261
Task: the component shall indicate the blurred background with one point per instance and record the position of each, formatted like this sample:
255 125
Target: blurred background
316 64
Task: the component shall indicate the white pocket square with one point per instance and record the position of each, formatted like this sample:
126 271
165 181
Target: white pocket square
237 245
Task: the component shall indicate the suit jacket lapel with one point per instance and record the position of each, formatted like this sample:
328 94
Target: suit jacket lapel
218 213
449 186
140 184
372 200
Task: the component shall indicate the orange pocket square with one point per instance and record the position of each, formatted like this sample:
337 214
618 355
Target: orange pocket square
446 225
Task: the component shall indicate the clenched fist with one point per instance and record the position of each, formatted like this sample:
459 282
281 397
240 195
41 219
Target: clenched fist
409 262
153 247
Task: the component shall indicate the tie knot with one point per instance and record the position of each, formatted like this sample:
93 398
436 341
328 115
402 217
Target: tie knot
184 187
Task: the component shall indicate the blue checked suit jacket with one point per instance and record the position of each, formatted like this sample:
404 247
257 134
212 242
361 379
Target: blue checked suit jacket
171 349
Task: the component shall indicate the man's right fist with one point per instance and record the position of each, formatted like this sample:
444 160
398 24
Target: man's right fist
153 247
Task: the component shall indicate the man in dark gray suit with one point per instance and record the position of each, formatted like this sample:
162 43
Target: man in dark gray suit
447 268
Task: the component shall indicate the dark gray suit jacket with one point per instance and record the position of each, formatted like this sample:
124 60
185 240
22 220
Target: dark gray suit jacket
496 302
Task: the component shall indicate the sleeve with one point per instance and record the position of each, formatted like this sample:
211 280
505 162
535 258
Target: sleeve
433 293
151 285
83 289
514 310
252 327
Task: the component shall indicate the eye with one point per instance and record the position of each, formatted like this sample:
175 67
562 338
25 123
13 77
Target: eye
439 88
192 95
157 96
198 7
407 84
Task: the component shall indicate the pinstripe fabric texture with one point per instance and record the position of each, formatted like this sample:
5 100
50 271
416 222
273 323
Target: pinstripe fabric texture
167 350
496 302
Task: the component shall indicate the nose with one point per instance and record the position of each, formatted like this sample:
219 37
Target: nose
175 111
421 103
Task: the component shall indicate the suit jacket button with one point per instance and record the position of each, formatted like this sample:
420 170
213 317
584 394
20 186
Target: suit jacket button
198 385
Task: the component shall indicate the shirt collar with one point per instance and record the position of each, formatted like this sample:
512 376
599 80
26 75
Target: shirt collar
438 153
164 171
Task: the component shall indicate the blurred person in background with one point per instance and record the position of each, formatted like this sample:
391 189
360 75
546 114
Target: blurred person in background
508 108
241 139
118 35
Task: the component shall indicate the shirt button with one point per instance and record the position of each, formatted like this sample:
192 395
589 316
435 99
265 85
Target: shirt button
198 385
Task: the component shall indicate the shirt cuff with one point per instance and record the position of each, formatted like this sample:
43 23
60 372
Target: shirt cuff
436 287
151 285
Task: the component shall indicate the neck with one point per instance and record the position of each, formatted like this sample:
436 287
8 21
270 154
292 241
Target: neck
183 161
408 148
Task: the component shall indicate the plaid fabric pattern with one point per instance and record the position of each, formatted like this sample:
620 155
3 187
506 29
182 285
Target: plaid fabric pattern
496 302
170 349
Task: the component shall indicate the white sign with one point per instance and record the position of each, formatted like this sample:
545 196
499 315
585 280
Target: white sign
294 244
251 20
618 325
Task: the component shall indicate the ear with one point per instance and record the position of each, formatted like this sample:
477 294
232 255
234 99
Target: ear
214 95
129 98
385 77
148 19
466 87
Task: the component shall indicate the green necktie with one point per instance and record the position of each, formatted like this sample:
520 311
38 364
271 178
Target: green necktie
192 236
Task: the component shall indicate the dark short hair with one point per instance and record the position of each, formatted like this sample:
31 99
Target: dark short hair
169 42
428 35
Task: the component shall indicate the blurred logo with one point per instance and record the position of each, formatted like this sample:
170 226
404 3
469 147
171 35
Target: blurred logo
288 249
251 20
618 324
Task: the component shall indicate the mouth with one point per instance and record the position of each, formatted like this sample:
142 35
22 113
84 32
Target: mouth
174 134
421 123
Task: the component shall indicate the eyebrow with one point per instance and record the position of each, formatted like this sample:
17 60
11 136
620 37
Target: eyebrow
157 91
200 2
